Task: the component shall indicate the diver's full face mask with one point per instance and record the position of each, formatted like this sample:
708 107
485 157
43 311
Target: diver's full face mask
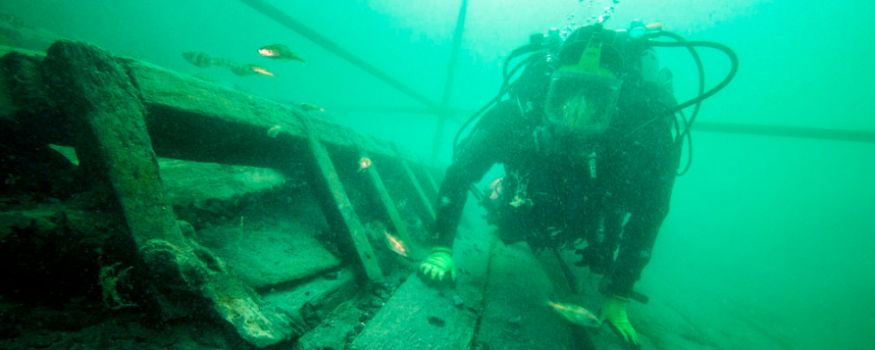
582 98
582 102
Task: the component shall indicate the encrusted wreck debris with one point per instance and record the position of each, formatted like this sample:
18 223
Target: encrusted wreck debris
240 259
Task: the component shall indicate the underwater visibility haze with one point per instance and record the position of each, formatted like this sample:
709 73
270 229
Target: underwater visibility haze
769 243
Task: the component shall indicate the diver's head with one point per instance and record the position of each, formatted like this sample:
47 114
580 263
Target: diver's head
583 91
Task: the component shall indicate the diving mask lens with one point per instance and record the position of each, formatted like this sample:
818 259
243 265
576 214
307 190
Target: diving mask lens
582 101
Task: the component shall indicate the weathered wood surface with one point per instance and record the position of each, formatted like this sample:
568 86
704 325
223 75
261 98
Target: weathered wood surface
336 204
313 300
277 253
336 332
112 142
25 105
187 118
115 151
125 113
516 315
421 317
197 120
388 203
185 181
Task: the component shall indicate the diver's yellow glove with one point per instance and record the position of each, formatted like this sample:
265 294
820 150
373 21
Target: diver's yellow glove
439 264
614 311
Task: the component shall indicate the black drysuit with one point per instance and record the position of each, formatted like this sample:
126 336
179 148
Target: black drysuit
561 187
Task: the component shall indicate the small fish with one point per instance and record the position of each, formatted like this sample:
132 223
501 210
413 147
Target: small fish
364 163
199 59
261 70
279 52
224 62
202 60
576 314
249 69
396 245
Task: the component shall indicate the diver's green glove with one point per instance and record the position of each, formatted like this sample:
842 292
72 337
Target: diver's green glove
438 264
614 311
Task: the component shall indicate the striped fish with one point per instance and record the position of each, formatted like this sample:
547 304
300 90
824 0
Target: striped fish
199 59
248 69
202 60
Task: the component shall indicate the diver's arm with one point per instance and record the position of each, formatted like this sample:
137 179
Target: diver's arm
477 154
652 164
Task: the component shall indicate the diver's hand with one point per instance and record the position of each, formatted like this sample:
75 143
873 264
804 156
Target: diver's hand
439 264
614 311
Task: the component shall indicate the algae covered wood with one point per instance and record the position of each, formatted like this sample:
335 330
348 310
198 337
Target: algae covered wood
516 313
316 298
115 151
337 204
419 316
120 114
277 253
388 204
112 141
197 120
26 105
187 118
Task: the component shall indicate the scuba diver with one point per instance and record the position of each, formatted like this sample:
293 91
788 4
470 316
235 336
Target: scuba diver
591 145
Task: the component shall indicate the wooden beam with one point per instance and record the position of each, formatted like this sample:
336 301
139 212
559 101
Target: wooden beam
339 208
420 317
103 107
187 118
516 308
388 203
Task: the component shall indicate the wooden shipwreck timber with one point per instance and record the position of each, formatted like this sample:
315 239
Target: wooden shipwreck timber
120 115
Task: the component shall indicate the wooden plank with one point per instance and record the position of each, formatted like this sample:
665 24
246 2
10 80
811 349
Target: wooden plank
115 151
212 116
421 317
280 253
426 202
27 104
340 206
187 118
112 141
315 299
337 332
388 203
516 314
